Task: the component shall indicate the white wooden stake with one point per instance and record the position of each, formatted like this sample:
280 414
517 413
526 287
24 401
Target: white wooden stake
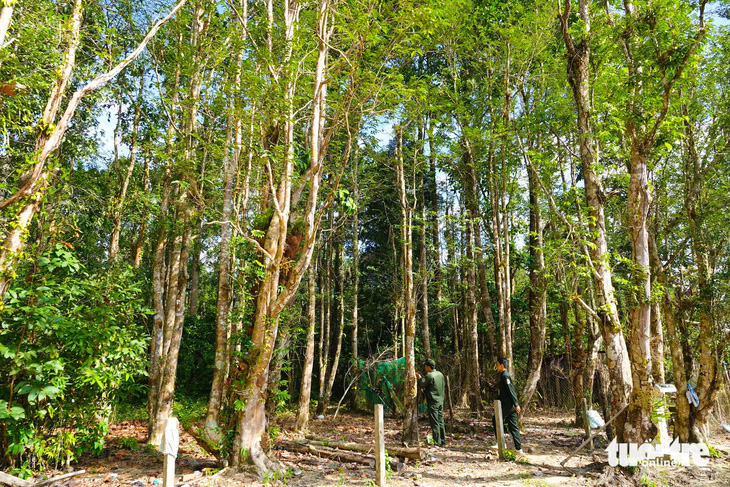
168 446
379 446
499 428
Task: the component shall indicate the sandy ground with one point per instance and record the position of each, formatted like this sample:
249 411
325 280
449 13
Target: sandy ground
467 459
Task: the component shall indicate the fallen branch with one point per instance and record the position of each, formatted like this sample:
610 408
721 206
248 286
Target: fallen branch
393 451
342 456
562 464
204 443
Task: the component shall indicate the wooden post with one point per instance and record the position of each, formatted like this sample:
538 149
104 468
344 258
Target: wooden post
499 428
587 422
168 446
379 446
448 396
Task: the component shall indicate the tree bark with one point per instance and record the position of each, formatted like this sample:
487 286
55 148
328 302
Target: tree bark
159 269
423 267
14 241
472 382
435 238
142 232
638 426
355 274
325 325
691 421
340 291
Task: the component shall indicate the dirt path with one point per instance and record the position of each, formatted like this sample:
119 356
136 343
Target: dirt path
467 460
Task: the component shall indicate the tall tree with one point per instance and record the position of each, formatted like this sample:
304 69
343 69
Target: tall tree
170 275
578 46
653 69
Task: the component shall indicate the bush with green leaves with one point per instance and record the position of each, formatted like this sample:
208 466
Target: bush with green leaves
69 341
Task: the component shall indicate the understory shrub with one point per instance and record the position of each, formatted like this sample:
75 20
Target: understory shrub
69 342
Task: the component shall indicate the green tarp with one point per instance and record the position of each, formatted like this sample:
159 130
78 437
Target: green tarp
383 383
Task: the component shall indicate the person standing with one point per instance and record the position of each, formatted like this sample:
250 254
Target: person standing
433 387
508 400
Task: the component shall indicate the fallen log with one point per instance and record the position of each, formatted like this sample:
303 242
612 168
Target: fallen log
13 481
393 451
342 456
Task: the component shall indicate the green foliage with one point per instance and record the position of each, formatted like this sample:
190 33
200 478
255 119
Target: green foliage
71 342
714 452
274 432
660 410
189 410
196 357
388 468
129 442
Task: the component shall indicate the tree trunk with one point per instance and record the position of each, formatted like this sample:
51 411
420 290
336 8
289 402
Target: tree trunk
170 284
537 296
576 356
423 267
591 355
231 158
435 238
159 270
501 264
638 427
5 16
472 254
471 192
692 421
306 387
355 274
410 391
142 233
195 271
325 326
340 291
14 241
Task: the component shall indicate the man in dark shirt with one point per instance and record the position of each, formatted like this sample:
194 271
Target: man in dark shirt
433 387
508 399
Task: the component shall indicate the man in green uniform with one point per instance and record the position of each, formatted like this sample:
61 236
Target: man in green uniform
433 386
508 399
